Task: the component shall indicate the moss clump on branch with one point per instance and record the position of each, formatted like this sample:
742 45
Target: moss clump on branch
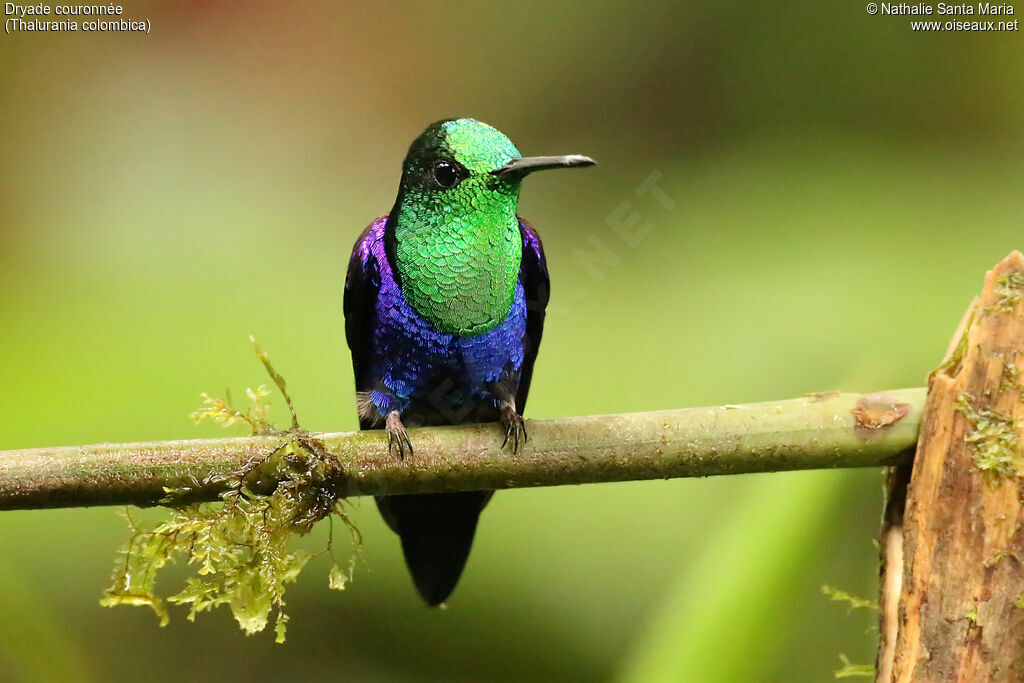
997 448
240 546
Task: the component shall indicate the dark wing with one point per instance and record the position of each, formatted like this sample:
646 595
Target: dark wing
362 284
533 273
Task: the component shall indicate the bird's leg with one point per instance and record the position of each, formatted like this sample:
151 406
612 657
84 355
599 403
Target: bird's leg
398 438
504 392
515 425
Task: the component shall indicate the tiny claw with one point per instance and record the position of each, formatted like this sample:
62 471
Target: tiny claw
515 426
398 437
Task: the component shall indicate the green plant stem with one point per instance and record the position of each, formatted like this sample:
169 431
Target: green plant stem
812 432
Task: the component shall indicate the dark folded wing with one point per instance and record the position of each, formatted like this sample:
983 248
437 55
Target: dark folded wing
362 284
533 273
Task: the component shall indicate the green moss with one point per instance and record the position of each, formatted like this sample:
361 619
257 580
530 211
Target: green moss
852 600
1010 380
1009 288
972 616
951 365
993 559
220 410
850 670
997 448
240 547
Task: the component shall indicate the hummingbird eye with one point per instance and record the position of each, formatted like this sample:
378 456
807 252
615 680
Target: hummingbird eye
447 174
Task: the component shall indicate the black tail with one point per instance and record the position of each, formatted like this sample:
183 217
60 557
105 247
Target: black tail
437 532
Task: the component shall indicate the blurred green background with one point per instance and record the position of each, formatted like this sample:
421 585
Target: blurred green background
837 185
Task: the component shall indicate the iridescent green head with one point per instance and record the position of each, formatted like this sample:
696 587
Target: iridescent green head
453 234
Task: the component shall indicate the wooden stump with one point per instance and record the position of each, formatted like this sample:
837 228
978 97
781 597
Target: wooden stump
952 603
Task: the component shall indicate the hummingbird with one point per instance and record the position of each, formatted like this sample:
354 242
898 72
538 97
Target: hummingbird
444 311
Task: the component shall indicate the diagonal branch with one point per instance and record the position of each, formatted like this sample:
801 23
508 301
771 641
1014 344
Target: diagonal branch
812 432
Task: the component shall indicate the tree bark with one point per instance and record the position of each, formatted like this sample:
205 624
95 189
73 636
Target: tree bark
952 593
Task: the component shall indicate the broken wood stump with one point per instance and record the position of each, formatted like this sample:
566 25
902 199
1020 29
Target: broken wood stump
952 592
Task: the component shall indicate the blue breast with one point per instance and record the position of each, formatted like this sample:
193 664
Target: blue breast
424 369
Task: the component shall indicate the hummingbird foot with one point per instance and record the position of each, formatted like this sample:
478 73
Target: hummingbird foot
515 425
398 438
